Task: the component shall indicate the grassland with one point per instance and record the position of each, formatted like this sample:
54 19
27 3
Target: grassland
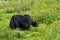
45 12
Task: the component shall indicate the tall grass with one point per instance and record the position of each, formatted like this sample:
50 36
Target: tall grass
45 12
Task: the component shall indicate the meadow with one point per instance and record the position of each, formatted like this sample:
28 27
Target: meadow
45 12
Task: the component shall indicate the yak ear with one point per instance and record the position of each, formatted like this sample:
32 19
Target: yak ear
34 24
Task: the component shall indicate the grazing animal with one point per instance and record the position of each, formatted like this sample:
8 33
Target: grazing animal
22 21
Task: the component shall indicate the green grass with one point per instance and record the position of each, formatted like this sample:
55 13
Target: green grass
45 12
